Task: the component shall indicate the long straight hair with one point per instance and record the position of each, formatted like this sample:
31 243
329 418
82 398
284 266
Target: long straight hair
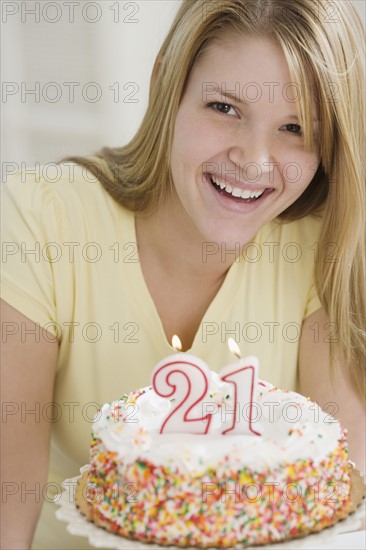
325 52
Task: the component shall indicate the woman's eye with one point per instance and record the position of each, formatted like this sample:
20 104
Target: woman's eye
293 129
223 108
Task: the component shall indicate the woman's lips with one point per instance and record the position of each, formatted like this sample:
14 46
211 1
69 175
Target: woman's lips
236 193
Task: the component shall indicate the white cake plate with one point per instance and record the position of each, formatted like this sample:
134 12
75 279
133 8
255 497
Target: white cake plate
77 524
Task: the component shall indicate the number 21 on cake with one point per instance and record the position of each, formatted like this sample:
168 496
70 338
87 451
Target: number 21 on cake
185 378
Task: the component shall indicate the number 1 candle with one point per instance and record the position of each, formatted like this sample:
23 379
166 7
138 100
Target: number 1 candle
243 374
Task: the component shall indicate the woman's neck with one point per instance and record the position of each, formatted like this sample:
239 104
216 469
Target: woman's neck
179 248
181 272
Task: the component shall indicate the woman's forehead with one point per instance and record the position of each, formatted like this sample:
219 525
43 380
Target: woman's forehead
236 61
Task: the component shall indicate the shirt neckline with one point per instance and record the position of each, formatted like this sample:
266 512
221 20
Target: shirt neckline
138 286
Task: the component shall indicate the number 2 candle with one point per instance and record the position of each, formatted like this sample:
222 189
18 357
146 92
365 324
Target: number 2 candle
184 379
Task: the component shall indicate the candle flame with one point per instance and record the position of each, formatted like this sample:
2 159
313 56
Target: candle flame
234 348
176 343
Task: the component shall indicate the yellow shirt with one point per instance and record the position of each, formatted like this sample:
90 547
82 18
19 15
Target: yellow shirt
70 264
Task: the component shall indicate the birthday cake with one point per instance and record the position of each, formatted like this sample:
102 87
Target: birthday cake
279 473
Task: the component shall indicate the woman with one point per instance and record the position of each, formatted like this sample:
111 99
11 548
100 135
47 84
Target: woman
236 210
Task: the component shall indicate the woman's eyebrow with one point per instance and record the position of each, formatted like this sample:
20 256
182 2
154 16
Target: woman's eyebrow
216 89
295 117
212 88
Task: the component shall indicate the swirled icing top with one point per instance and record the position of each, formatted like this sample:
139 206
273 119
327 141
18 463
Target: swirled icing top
291 427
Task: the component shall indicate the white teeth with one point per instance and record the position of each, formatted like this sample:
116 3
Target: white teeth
236 192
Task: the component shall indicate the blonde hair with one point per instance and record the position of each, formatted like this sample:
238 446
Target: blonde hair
325 52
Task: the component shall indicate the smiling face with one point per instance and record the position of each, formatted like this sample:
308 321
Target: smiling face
238 158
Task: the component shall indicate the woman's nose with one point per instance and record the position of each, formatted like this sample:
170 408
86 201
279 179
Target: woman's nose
253 158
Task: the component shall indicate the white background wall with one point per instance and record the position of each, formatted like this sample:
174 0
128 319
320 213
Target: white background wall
117 50
96 46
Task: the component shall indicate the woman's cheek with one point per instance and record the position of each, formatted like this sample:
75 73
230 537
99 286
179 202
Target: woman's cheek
298 169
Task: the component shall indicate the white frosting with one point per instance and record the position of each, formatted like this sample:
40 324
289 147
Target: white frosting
291 428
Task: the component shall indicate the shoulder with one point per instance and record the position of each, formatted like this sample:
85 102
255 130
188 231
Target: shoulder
298 239
63 192
288 254
304 230
50 180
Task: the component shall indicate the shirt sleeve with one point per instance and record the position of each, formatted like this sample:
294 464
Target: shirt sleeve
30 234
